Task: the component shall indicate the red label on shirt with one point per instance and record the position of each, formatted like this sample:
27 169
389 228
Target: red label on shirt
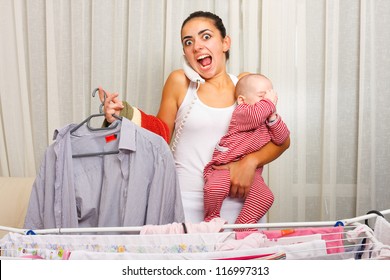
110 138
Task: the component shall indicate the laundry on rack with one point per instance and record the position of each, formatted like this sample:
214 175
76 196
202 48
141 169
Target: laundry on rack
254 240
332 236
54 246
202 246
214 225
301 247
352 241
136 186
367 246
257 240
382 230
254 253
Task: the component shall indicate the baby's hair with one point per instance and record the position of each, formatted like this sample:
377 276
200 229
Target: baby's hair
241 84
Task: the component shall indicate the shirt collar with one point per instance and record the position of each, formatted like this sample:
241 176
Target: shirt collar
127 139
127 129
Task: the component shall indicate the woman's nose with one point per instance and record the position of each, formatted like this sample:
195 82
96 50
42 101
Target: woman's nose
198 45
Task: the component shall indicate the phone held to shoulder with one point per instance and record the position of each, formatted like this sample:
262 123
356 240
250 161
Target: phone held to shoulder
191 73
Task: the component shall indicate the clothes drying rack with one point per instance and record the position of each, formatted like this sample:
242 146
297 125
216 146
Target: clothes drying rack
137 229
351 238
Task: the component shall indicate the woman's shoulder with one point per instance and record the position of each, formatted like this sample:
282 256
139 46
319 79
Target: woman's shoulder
176 85
178 76
235 78
243 74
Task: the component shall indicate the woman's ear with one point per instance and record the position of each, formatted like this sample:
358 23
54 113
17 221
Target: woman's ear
226 43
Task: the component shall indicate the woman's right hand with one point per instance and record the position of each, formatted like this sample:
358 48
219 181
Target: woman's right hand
112 104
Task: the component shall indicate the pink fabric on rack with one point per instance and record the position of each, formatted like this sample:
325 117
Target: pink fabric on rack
32 257
214 225
333 236
275 256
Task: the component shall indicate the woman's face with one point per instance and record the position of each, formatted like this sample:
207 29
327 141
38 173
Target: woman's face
204 47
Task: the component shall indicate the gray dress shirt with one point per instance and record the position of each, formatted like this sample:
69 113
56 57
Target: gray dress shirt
135 187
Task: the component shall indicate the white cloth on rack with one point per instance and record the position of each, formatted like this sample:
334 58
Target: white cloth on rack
137 186
368 246
58 246
295 251
382 230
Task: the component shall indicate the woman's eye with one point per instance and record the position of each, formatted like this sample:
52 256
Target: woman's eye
206 36
187 43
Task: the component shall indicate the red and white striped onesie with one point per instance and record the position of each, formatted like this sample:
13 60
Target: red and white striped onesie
248 132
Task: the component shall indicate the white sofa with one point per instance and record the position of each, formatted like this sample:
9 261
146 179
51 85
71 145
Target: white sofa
14 197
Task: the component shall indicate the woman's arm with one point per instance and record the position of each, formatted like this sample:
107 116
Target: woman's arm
173 94
242 172
163 124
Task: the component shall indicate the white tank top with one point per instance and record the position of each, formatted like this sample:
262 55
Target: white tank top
198 128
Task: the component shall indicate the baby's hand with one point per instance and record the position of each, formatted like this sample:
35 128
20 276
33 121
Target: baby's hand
272 118
272 96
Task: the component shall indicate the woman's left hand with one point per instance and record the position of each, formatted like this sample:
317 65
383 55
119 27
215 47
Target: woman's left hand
242 174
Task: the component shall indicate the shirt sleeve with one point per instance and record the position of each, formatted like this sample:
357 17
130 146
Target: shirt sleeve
164 202
149 122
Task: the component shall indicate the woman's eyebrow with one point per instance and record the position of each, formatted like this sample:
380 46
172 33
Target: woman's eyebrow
200 32
186 37
204 30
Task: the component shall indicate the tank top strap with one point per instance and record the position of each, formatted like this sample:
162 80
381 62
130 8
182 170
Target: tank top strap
191 93
234 78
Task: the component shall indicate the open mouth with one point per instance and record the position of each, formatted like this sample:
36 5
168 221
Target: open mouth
204 60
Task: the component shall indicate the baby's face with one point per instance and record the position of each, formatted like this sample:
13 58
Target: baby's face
256 90
254 97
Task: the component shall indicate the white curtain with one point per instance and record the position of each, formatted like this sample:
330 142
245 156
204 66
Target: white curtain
328 60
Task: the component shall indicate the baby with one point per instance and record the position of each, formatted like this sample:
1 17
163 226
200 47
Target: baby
254 123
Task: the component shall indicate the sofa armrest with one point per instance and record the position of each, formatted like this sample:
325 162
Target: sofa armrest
14 199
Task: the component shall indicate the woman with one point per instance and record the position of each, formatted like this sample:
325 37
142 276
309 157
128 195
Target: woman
198 115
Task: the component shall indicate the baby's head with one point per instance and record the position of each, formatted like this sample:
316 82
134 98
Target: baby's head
252 88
